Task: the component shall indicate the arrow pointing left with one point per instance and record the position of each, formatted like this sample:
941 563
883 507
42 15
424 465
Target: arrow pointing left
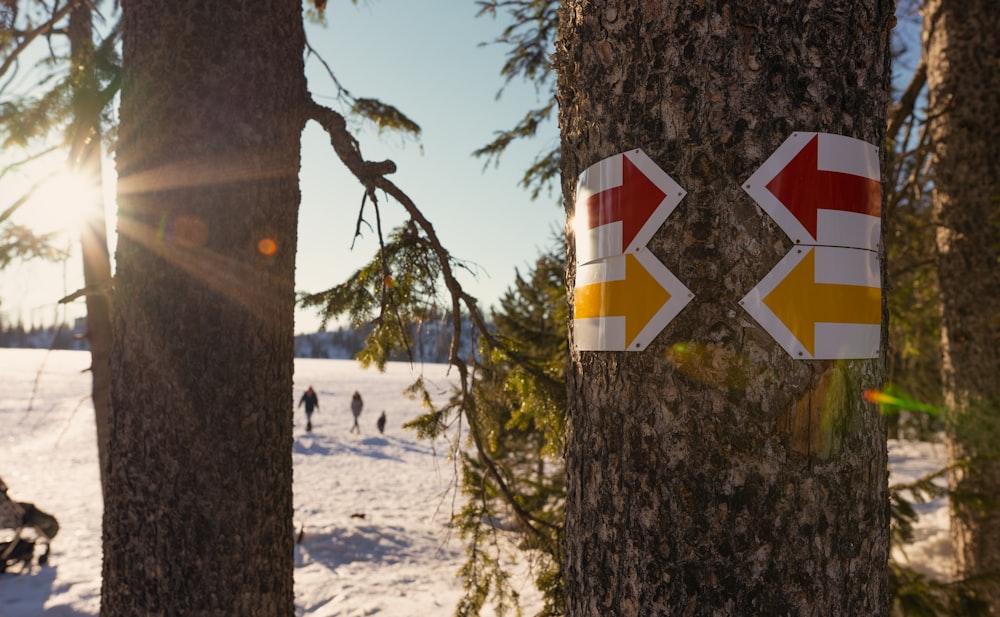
821 303
822 189
823 300
806 188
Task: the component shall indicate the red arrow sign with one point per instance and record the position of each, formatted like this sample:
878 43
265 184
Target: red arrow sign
822 189
804 189
632 203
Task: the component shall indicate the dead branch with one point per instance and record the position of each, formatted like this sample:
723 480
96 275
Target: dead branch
899 112
372 177
30 35
372 174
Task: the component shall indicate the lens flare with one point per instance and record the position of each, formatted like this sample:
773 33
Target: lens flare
190 231
184 230
890 404
267 246
64 203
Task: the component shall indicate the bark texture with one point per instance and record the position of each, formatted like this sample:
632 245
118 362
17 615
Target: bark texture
711 474
962 40
198 518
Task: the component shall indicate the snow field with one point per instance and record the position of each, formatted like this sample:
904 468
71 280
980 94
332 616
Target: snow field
374 509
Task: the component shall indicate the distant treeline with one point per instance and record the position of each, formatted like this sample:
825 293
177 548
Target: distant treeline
429 340
38 337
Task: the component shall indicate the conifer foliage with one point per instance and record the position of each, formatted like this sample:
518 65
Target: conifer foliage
511 476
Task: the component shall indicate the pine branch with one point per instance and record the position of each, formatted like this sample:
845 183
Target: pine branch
372 176
29 36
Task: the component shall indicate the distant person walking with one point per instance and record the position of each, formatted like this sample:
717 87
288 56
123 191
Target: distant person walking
311 401
356 405
381 423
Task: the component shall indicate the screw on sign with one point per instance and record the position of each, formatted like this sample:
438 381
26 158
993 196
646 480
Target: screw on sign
624 296
823 300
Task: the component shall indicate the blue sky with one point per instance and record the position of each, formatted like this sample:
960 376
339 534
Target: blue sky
430 64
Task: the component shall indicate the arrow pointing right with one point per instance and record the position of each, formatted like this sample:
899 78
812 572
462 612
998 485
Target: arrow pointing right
632 202
637 298
622 302
621 202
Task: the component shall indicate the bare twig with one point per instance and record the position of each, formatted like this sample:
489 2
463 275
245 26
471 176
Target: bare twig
342 92
372 174
904 108
30 35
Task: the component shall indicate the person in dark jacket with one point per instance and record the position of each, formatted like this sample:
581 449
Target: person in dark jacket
311 401
356 405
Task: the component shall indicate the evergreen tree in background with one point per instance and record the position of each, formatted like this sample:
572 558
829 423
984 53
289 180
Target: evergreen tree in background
512 475
76 81
511 471
914 349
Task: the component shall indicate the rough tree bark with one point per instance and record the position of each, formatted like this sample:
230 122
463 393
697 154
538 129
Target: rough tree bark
198 518
711 474
962 40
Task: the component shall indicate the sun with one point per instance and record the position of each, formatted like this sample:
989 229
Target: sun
61 204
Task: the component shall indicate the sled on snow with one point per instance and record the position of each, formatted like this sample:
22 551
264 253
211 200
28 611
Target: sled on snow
23 528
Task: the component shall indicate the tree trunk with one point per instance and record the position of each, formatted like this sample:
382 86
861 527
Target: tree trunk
198 519
711 473
85 159
962 41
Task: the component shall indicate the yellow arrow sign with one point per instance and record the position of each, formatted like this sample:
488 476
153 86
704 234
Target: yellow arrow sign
638 298
800 302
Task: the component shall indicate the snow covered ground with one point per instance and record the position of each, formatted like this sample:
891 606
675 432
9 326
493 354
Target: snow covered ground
375 508
930 552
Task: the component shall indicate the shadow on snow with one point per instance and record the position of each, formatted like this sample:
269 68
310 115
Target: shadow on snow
384 448
25 594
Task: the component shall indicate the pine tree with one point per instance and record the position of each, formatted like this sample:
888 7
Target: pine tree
200 469
511 475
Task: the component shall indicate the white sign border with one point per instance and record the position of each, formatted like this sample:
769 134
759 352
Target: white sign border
753 303
680 296
673 194
835 153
